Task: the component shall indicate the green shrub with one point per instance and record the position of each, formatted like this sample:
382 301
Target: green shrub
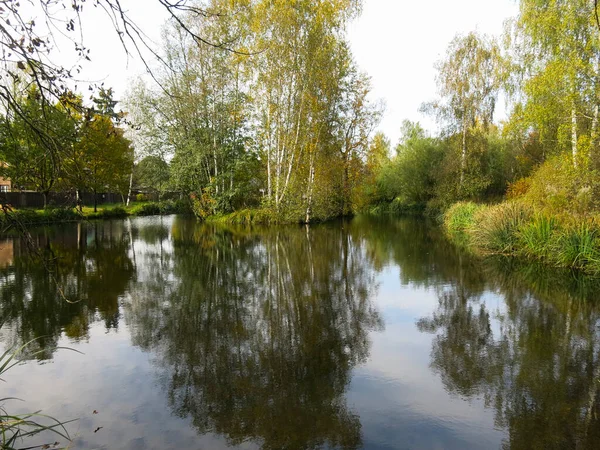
147 209
496 229
115 212
557 187
249 216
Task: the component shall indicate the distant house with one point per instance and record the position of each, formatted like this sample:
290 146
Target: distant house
5 183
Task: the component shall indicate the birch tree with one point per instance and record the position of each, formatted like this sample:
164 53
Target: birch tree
469 80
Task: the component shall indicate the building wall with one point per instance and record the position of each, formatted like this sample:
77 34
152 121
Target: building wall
5 185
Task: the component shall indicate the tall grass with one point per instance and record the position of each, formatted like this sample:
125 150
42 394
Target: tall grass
537 237
496 228
258 216
460 217
512 228
578 247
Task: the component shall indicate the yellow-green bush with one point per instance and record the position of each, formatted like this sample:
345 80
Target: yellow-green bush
558 187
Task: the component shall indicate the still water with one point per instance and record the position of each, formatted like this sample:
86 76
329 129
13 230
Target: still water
375 334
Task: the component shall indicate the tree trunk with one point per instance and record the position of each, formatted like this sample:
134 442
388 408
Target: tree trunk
95 201
45 195
346 186
311 180
594 132
574 135
130 186
463 157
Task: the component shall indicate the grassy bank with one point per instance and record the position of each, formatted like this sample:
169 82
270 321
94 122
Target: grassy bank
514 228
396 208
32 217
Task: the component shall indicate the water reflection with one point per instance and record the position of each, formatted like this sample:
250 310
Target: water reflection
256 338
535 361
254 335
74 277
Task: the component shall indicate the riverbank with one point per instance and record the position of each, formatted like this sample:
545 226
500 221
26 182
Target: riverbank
262 216
33 217
513 228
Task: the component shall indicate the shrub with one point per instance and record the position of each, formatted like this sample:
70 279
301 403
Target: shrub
496 229
115 212
559 188
203 205
147 209
518 189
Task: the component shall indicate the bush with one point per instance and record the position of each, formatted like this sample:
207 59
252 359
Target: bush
559 188
259 216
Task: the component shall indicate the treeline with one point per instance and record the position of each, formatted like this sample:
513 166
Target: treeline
64 146
538 171
546 67
276 118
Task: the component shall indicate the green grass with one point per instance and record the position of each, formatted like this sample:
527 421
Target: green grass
396 208
537 236
249 216
511 228
460 217
496 229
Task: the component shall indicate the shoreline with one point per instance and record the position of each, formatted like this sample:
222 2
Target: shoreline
514 229
26 218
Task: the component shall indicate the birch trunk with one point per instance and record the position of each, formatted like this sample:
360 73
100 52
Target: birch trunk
594 130
574 135
463 157
309 194
130 186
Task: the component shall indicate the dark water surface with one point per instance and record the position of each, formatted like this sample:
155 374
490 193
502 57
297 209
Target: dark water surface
366 334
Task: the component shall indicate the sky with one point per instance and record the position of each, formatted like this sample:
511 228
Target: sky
397 42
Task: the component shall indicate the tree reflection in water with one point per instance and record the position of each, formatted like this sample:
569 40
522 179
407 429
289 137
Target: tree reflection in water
76 279
254 333
257 334
540 370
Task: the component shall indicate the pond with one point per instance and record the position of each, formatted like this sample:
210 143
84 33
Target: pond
370 333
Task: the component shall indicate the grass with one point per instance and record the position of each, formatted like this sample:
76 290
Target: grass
537 237
460 217
496 229
249 216
512 228
396 208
